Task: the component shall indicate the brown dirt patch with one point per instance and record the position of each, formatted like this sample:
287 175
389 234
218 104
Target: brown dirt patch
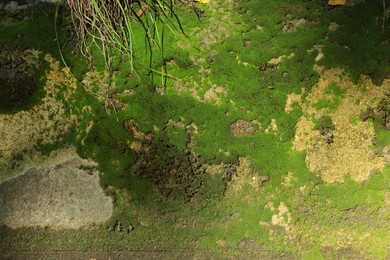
241 128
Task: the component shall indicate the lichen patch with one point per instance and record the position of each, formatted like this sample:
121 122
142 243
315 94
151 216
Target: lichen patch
350 153
292 99
245 174
42 124
273 126
214 94
282 219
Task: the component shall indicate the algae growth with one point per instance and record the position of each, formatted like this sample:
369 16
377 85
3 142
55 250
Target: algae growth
258 133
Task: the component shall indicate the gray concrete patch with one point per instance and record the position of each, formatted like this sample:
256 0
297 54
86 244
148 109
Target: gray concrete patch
64 195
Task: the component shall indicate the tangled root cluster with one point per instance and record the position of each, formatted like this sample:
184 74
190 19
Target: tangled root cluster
109 23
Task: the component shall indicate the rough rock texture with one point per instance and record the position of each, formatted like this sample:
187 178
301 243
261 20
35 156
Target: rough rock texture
57 194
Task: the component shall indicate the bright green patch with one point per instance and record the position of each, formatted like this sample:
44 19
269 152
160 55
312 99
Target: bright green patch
330 104
334 89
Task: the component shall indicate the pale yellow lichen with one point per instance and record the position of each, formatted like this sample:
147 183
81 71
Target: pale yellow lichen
350 153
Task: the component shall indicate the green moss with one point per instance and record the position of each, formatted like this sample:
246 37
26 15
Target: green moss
256 90
33 32
356 44
355 121
287 123
331 104
334 89
325 125
313 253
350 194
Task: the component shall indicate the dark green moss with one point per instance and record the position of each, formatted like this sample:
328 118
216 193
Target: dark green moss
21 79
359 44
31 30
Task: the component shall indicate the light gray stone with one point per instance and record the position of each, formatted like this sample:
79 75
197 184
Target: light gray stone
65 195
